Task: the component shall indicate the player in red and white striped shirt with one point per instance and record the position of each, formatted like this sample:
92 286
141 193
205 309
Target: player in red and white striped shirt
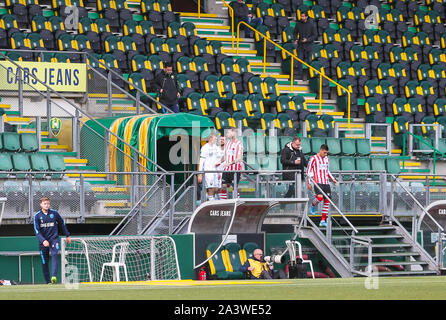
319 170
233 161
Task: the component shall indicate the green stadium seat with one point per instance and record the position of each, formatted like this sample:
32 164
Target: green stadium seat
11 141
56 163
39 162
316 143
240 117
284 140
257 106
28 142
348 146
21 163
235 261
223 120
378 164
362 164
272 145
334 146
363 147
393 166
256 144
16 197
268 162
347 164
306 146
268 121
217 262
334 164
5 164
312 125
249 248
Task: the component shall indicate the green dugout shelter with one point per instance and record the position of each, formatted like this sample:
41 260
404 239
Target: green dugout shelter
171 141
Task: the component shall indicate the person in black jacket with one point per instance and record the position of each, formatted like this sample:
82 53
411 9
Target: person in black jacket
304 36
167 86
242 13
292 158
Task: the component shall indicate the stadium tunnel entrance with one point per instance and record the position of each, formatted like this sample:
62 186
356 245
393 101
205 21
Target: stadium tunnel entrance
170 141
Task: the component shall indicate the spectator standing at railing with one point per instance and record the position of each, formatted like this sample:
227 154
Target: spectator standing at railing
304 36
318 170
292 158
243 13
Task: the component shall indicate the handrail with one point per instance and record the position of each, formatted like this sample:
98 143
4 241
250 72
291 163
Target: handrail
168 202
418 203
334 206
124 221
86 56
364 241
132 85
427 144
321 74
231 13
49 89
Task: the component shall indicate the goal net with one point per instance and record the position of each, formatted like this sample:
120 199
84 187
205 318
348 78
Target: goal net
123 258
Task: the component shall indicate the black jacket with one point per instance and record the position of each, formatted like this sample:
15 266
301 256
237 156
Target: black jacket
305 30
240 9
170 88
287 158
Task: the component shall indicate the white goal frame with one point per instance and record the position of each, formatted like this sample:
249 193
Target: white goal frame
85 252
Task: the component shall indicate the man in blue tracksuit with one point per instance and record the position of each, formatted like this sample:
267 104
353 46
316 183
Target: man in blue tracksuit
46 225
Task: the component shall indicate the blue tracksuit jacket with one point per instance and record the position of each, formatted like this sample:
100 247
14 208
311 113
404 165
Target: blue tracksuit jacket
46 226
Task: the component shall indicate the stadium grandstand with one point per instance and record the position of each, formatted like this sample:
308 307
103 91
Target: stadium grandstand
82 124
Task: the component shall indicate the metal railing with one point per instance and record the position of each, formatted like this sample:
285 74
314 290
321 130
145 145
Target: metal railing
293 57
360 243
231 14
432 149
77 117
74 195
110 85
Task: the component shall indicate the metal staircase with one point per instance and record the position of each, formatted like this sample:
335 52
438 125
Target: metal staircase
394 253
371 243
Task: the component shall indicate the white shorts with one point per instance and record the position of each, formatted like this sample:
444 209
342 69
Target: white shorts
212 180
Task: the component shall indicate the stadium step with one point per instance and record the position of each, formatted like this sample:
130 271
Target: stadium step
389 248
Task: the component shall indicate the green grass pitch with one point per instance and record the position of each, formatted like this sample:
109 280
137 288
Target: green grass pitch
413 288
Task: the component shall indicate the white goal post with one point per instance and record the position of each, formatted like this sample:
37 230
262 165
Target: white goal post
129 258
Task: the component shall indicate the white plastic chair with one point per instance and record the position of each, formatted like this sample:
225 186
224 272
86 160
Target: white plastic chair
292 252
117 264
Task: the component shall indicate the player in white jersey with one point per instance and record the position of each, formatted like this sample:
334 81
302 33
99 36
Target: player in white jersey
220 166
210 159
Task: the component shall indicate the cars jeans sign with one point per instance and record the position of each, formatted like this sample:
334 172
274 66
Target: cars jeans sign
62 77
